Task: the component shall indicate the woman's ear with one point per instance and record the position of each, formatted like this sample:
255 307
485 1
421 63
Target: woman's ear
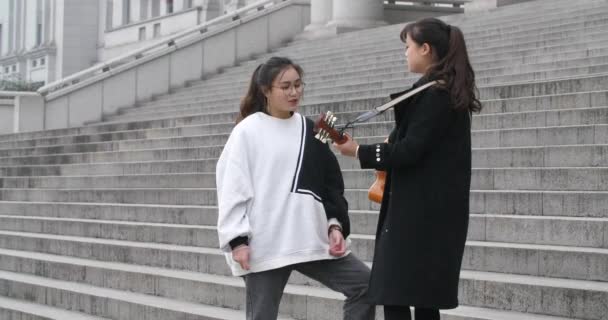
265 91
426 49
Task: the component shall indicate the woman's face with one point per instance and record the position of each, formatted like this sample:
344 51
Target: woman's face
285 93
418 56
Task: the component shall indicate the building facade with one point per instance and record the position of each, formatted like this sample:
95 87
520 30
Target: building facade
45 40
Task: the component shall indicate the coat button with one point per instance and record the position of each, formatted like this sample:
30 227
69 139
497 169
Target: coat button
385 230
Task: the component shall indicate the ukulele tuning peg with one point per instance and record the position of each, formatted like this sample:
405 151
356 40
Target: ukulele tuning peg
319 135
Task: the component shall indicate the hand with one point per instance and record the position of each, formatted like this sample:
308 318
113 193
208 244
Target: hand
349 148
240 254
337 244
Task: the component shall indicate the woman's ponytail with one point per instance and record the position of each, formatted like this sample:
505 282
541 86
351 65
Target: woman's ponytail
254 100
452 64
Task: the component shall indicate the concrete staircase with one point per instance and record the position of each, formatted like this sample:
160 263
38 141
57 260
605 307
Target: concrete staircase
116 220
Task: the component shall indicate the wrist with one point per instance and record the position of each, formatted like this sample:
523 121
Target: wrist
240 247
334 227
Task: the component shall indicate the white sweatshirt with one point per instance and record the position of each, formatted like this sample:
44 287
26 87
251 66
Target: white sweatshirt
279 187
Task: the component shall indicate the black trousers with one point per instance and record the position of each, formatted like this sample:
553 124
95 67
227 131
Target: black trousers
403 313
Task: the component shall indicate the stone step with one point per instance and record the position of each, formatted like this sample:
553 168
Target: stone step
581 99
510 52
473 25
393 84
239 78
591 82
210 123
396 60
175 234
579 263
520 202
482 201
380 46
530 294
542 230
530 46
591 179
240 75
100 274
564 179
127 162
151 213
476 288
563 135
484 77
503 120
12 309
180 160
524 259
117 304
200 125
576 24
365 133
595 82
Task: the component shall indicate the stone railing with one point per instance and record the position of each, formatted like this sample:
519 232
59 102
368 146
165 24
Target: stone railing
21 111
436 3
123 39
189 55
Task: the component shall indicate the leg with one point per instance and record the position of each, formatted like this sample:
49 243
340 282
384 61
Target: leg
264 292
426 314
397 313
347 275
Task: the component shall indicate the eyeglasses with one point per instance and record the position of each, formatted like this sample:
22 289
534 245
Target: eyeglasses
299 87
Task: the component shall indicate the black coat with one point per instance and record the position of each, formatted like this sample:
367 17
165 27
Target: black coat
424 216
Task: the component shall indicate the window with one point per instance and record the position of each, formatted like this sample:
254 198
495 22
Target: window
39 34
109 14
34 63
42 61
169 6
142 33
156 30
155 8
126 12
14 68
38 22
7 70
189 4
143 10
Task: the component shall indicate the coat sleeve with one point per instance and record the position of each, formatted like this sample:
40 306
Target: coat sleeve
426 125
234 192
336 206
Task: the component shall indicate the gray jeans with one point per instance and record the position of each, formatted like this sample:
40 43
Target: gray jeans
347 275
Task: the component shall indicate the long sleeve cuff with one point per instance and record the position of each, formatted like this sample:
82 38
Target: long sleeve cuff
239 241
372 156
334 222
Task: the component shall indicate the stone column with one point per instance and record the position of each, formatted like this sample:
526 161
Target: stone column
320 15
350 15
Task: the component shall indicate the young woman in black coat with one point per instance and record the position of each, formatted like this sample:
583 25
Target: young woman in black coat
424 216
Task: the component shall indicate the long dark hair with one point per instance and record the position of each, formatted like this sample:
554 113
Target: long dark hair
261 80
452 63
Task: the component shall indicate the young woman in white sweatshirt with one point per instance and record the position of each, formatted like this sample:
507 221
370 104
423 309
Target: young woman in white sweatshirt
281 199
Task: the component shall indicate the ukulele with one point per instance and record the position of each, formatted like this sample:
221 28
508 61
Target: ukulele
325 128
326 131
